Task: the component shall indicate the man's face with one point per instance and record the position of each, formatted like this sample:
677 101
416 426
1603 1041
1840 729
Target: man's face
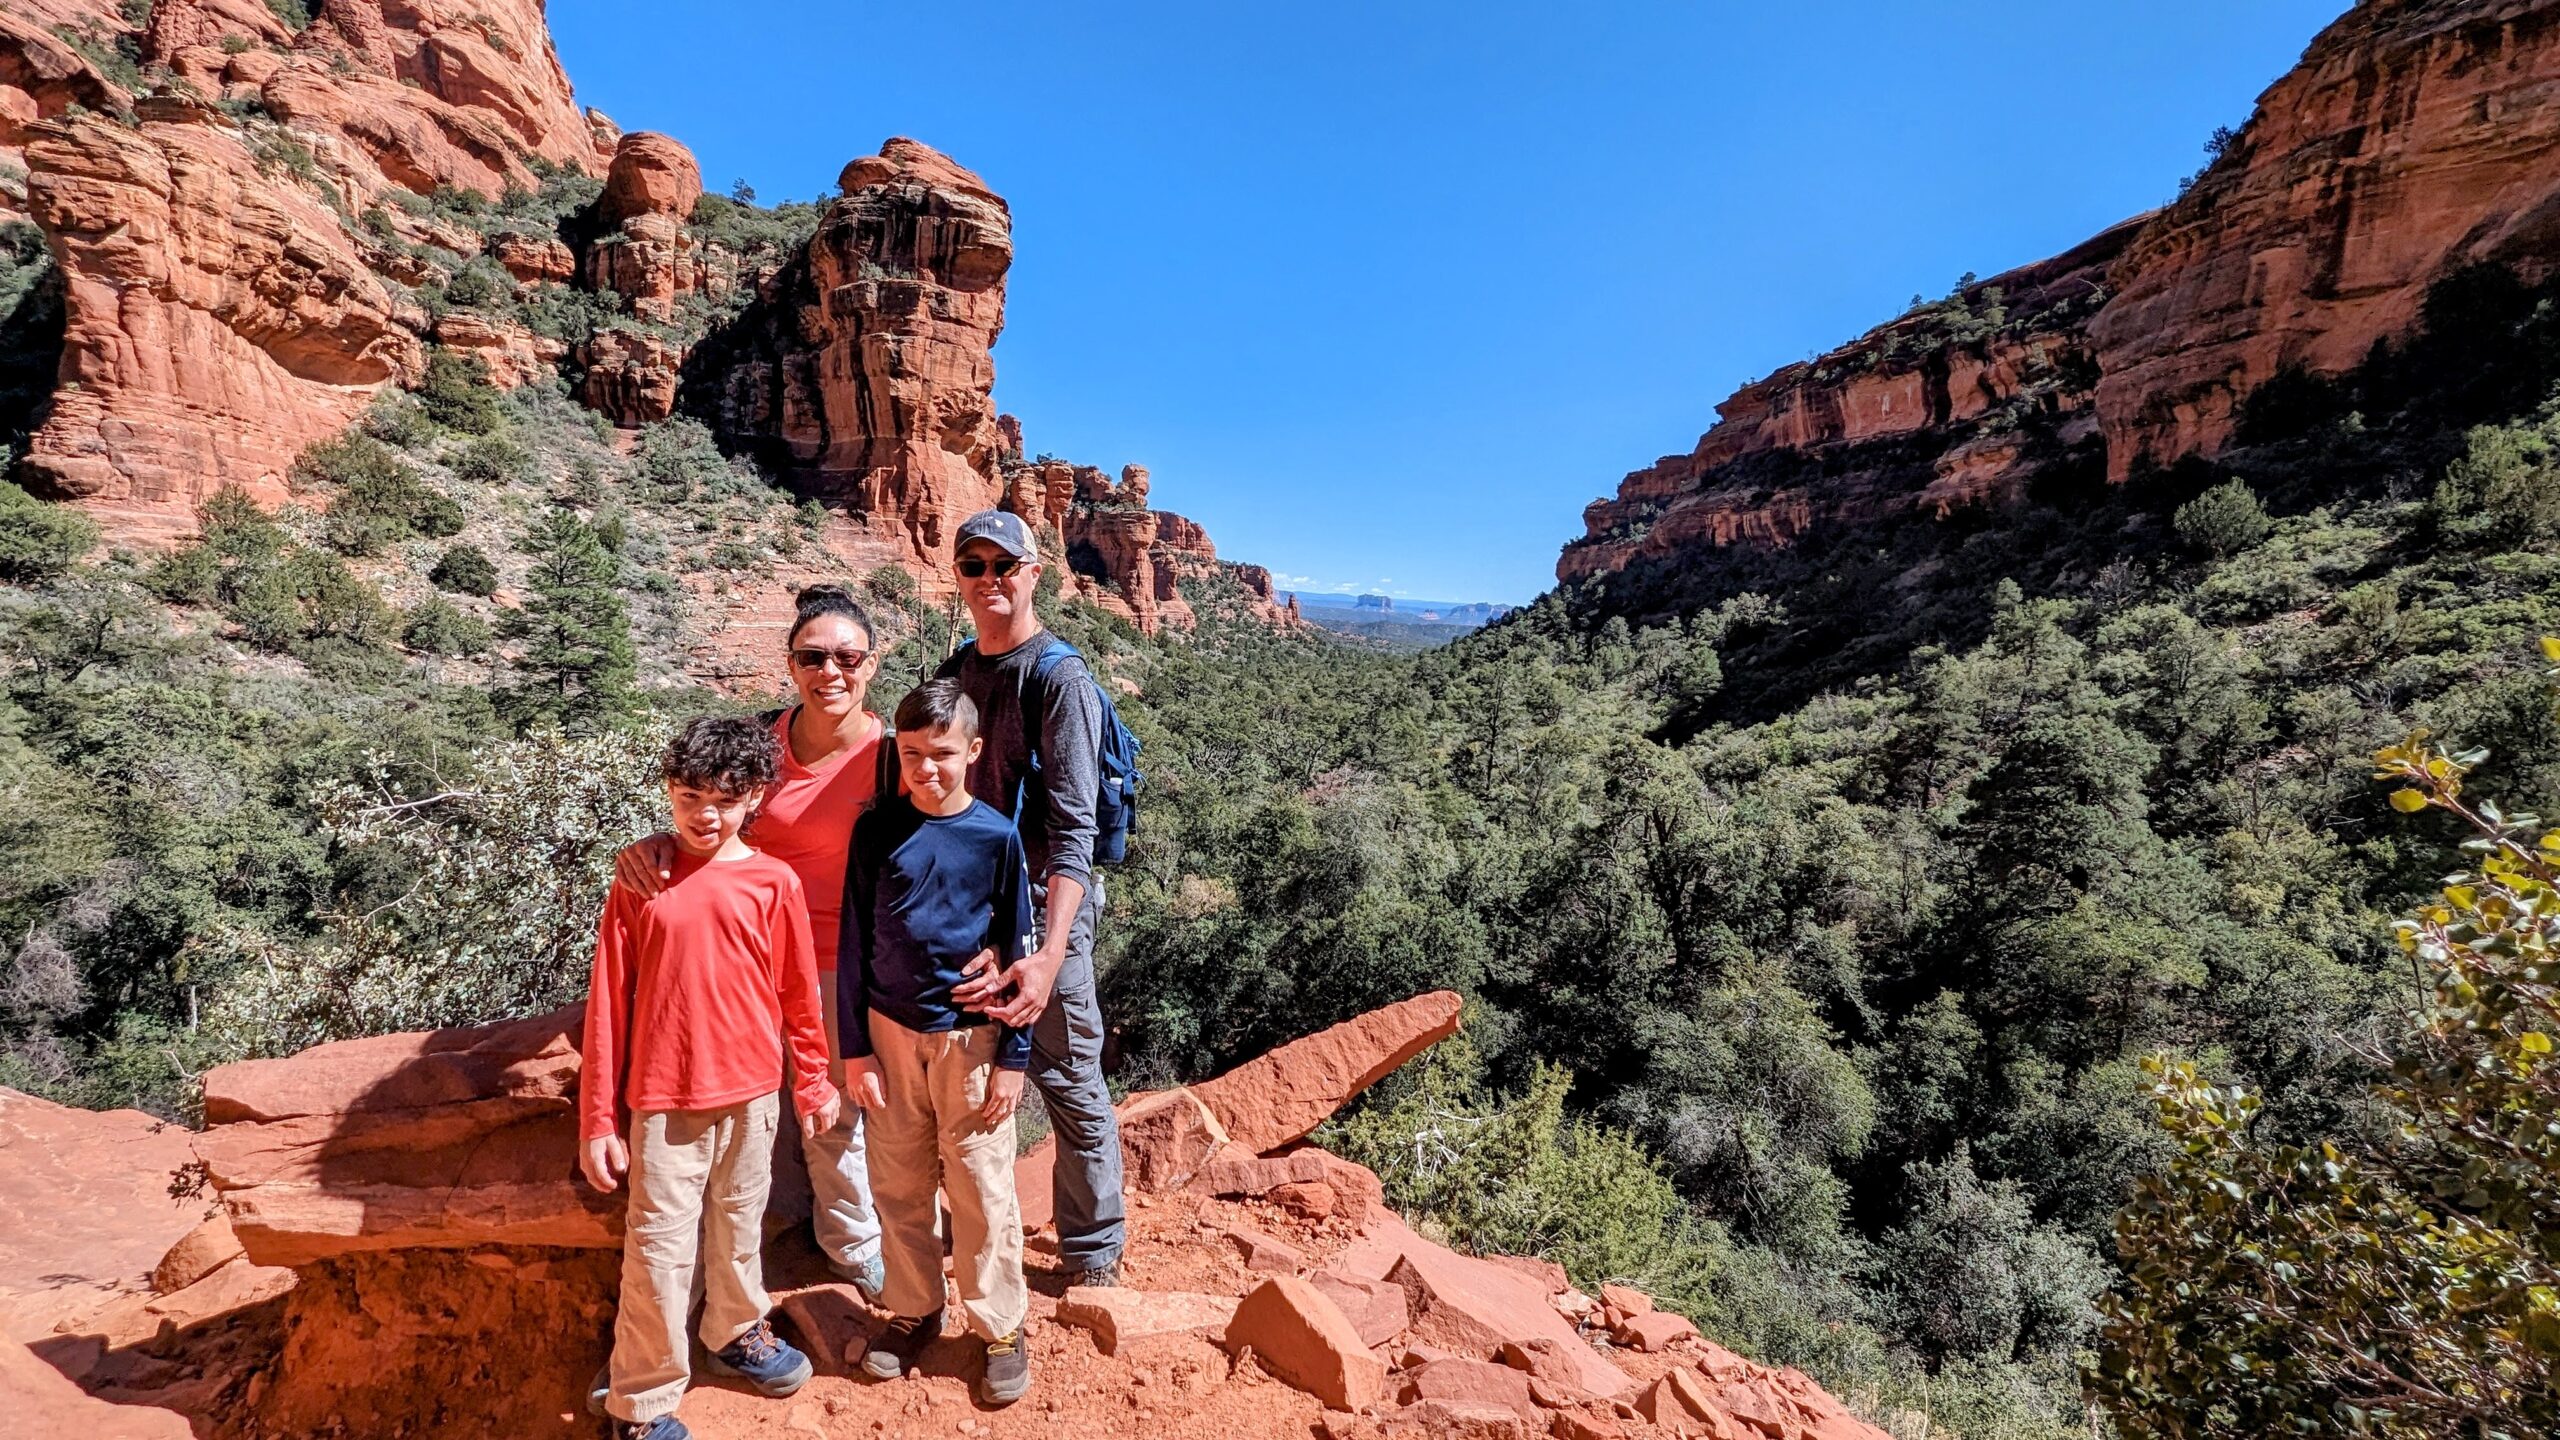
706 817
991 597
935 764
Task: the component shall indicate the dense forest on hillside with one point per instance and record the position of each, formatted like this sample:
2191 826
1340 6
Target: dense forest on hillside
1818 906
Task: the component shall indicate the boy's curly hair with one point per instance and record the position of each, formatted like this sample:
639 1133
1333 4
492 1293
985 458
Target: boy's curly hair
724 753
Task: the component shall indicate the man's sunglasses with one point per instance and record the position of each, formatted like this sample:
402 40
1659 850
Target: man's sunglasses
811 658
977 565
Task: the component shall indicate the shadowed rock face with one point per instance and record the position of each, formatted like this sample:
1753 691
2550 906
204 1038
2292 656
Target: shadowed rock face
2414 138
217 321
863 372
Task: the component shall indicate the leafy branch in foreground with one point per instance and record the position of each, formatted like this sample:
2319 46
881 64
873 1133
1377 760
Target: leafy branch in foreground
2401 1285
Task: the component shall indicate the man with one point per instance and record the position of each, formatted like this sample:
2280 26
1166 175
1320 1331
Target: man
1058 726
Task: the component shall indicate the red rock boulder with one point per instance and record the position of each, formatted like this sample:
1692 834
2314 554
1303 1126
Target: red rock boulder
450 1138
1304 1339
1266 1103
85 1209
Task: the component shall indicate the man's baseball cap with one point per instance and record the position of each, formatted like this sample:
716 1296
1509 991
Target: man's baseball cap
1001 526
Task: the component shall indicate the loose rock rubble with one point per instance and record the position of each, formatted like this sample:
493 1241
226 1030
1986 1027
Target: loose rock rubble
448 1274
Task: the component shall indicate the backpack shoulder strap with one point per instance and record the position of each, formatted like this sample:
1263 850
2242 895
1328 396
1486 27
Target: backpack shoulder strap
884 764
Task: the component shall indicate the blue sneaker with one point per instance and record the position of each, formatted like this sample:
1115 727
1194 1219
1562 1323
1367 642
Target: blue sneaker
665 1427
870 1275
764 1360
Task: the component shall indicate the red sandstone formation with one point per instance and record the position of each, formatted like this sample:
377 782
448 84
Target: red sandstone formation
423 1189
2412 139
218 320
865 373
646 255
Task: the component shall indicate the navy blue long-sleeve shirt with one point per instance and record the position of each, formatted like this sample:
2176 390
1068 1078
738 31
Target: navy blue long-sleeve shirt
923 893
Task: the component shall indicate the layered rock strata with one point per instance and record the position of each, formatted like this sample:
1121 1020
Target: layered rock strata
2412 140
863 372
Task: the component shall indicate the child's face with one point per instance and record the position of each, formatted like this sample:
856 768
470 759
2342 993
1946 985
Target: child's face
936 764
708 817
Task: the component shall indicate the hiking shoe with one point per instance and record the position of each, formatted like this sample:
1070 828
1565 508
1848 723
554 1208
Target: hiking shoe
764 1360
1106 1273
665 1427
870 1275
893 1351
1008 1370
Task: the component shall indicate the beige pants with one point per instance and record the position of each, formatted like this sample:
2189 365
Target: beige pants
698 1181
841 1213
929 1135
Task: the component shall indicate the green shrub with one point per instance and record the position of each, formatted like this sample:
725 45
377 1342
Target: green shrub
2505 486
494 460
39 540
480 284
380 500
677 456
457 394
436 626
296 14
2402 1285
2224 520
398 420
891 583
465 570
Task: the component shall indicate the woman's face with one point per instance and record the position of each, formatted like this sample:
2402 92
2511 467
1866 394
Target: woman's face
827 685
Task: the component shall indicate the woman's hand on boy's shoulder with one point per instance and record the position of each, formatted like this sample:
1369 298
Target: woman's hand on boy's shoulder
605 1159
644 866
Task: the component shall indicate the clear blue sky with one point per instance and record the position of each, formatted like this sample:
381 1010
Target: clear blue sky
1385 293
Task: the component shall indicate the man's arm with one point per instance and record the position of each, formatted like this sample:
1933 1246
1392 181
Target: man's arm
1070 749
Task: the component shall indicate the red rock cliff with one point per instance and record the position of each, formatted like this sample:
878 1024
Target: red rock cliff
2412 139
864 372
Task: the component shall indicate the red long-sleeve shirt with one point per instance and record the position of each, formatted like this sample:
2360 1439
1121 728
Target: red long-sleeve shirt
695 993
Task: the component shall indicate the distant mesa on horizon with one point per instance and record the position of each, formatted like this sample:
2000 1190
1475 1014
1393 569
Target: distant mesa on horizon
1357 613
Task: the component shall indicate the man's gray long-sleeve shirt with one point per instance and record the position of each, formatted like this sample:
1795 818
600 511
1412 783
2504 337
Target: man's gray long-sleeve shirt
1058 822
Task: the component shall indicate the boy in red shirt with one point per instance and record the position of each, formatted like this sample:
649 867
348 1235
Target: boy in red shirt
694 995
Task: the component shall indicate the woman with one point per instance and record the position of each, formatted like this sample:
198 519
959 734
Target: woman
832 765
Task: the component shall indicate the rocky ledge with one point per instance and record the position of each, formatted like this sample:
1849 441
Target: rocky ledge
393 1241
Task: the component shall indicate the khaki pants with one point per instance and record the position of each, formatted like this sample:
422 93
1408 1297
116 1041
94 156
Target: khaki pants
840 1210
698 1181
929 1134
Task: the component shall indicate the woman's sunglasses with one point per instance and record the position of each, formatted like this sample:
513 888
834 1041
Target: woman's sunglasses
812 658
977 565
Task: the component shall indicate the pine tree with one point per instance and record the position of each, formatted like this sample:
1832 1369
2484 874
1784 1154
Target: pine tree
577 662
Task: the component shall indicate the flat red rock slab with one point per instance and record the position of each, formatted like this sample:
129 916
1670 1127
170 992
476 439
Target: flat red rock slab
1267 1102
85 1210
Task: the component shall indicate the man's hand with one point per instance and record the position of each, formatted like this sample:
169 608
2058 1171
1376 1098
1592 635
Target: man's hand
605 1160
1004 1091
982 980
1035 979
644 866
862 1082
823 1118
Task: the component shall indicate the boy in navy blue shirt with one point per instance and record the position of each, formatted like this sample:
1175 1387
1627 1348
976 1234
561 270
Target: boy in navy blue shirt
935 878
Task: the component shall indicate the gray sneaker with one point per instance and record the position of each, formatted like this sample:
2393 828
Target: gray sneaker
1106 1273
1008 1372
893 1351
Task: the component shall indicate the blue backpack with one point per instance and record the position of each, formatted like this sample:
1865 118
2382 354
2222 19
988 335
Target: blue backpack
1115 807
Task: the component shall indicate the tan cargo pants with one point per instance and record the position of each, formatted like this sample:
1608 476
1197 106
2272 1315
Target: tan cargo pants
698 1182
930 1135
